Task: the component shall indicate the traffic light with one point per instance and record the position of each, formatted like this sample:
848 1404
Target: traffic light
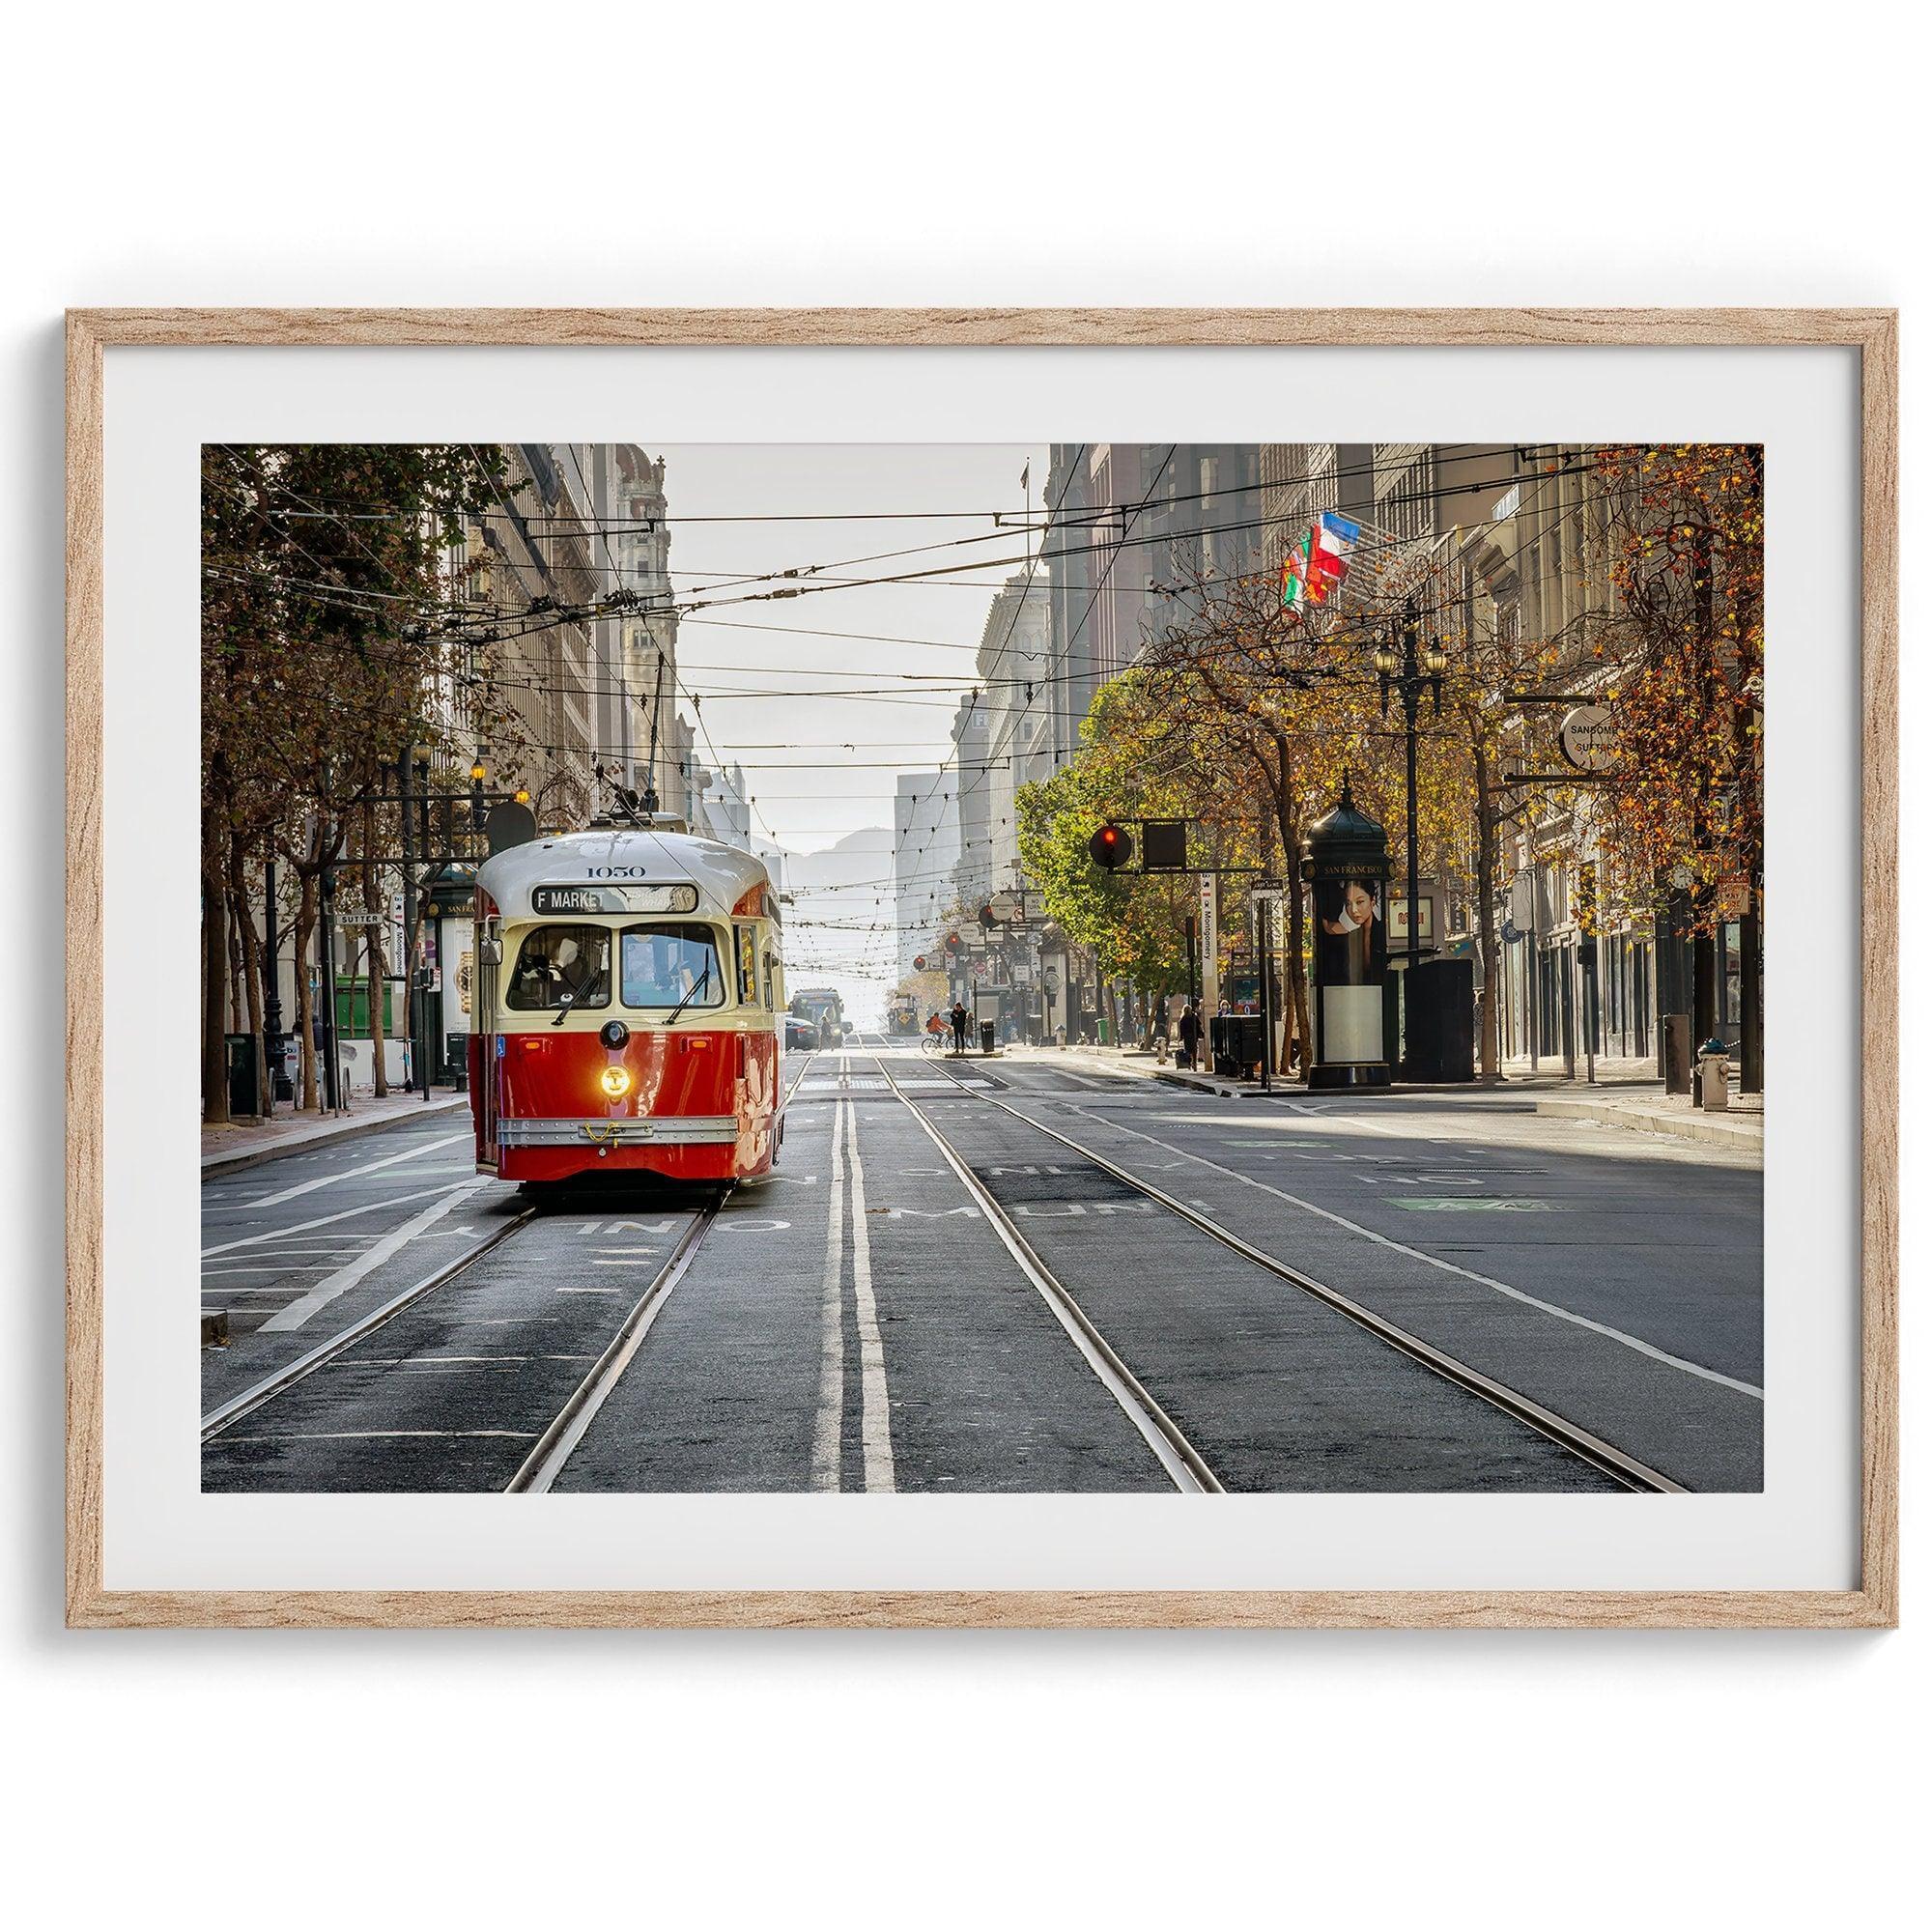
954 942
918 962
1110 848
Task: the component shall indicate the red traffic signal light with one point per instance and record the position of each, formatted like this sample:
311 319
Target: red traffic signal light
1110 847
954 942
918 962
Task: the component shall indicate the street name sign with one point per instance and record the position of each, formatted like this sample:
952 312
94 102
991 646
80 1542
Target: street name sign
1588 738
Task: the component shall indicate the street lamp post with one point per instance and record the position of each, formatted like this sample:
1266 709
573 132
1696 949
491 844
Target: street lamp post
1407 667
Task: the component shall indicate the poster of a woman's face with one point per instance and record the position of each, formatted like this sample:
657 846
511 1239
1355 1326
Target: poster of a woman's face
1357 908
1348 931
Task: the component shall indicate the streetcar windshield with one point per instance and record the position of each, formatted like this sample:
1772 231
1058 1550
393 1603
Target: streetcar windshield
561 966
670 966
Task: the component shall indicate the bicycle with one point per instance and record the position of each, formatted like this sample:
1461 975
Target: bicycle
934 1044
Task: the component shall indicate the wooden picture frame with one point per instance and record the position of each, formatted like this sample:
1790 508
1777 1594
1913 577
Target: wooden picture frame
1872 333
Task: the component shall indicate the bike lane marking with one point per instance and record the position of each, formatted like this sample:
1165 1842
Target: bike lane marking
344 1279
349 1173
326 1220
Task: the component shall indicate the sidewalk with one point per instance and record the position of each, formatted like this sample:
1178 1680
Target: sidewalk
1740 1125
1137 1062
245 1143
1627 1092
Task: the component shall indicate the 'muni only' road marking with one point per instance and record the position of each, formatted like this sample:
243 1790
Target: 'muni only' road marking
344 1279
349 1173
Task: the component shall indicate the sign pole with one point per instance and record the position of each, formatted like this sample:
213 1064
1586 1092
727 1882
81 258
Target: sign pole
404 766
1210 949
1264 934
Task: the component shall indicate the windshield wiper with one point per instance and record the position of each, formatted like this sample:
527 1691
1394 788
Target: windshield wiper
703 981
568 998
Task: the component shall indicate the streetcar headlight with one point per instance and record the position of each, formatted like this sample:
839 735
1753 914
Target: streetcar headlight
615 1082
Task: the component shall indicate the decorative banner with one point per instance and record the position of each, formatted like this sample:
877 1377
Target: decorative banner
1211 946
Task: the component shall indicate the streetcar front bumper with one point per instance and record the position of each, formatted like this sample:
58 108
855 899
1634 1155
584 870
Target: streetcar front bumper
673 1130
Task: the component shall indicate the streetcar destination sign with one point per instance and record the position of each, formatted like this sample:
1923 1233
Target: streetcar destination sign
613 898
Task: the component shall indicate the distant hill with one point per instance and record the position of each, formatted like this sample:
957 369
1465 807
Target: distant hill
863 860
857 857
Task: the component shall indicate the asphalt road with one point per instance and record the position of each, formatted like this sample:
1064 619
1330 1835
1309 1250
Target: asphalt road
862 1322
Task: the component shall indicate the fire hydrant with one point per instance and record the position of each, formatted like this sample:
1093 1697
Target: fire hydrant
1714 1070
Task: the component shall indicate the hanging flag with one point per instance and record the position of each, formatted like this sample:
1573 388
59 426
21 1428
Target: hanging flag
1294 575
1026 475
1331 540
1320 561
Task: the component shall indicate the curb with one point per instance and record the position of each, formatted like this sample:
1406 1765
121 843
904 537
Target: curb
213 1164
1685 1126
1204 1084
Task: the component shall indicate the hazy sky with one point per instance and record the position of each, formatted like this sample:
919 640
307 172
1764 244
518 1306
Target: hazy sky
821 766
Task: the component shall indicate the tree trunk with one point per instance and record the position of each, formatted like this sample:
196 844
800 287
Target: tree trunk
309 1086
1485 903
377 958
235 1008
213 992
243 919
1287 822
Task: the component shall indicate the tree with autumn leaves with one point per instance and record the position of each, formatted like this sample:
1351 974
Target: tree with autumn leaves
1245 718
1686 652
326 626
1683 656
1245 715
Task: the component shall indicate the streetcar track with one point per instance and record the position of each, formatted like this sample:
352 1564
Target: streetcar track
258 1395
1589 1448
559 1443
1185 1466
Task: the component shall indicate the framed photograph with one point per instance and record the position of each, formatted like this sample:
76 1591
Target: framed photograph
1006 968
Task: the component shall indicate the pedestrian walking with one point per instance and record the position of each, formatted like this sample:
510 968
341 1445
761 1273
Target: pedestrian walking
1190 1035
959 1028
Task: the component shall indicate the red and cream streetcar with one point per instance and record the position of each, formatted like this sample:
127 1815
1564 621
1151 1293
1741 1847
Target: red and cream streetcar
629 1010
